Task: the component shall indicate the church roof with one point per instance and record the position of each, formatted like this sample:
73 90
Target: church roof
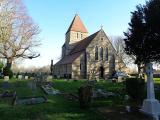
83 43
77 50
68 59
77 25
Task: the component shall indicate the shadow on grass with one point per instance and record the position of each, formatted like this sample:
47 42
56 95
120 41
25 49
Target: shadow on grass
57 107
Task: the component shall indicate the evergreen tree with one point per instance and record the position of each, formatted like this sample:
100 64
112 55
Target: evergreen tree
143 36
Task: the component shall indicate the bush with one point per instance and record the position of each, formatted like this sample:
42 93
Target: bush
135 87
134 75
7 72
156 75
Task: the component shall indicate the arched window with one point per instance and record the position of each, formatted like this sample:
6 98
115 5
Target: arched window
101 53
96 53
106 54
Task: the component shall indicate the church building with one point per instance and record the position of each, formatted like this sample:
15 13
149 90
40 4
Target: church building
85 56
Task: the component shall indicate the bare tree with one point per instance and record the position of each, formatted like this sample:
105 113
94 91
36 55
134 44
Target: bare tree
18 32
123 58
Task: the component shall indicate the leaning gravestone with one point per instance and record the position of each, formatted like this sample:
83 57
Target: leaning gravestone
6 78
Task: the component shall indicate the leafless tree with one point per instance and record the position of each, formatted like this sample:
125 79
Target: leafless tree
123 58
18 33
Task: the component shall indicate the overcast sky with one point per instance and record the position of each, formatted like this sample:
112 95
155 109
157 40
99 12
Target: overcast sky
55 16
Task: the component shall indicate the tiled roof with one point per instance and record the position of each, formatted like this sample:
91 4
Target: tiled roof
68 59
77 50
77 25
83 43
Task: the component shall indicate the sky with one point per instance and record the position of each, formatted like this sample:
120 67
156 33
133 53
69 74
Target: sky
55 16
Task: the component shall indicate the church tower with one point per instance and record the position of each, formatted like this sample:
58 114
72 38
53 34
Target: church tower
75 33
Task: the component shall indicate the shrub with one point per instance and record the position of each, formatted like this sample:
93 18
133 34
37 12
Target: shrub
156 75
134 75
7 72
135 87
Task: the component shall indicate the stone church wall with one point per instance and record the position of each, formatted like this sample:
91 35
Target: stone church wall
76 69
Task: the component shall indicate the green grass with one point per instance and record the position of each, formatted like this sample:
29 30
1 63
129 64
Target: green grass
22 88
157 80
57 107
68 86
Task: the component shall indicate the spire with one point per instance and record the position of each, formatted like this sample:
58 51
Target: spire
77 25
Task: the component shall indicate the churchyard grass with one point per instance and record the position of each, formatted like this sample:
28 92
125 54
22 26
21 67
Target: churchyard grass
57 107
60 108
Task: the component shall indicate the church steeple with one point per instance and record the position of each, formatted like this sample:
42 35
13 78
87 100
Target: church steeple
77 25
75 33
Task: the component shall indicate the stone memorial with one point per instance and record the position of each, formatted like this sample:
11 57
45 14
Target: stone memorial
19 77
49 77
14 76
120 79
6 78
26 77
151 106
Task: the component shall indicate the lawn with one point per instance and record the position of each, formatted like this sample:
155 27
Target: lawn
60 108
57 107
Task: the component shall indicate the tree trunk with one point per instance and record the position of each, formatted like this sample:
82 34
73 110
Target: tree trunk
9 63
139 69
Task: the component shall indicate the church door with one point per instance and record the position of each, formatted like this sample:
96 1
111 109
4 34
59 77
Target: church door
101 71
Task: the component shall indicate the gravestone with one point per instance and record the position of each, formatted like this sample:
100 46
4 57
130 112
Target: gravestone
26 77
97 78
32 85
6 78
120 79
85 96
19 77
49 77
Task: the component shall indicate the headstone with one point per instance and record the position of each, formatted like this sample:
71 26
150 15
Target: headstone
19 77
49 77
6 78
128 108
85 96
26 77
14 76
97 78
58 77
32 85
120 78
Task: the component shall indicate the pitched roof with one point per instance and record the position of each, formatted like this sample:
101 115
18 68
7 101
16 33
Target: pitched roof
77 50
83 43
77 25
68 59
